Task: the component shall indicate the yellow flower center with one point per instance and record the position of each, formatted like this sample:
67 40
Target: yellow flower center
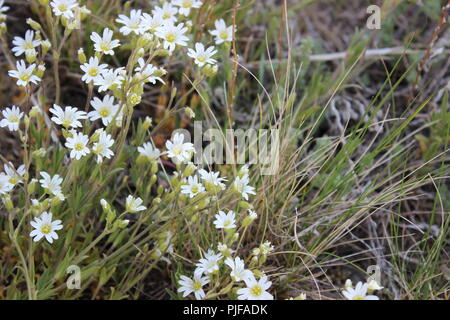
104 46
14 119
358 297
227 223
62 7
256 291
177 151
46 229
196 285
104 112
78 146
194 189
187 4
171 37
25 77
29 46
93 72
201 58
166 15
223 35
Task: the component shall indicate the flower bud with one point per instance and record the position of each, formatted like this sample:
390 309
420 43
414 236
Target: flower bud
210 70
9 205
244 204
32 186
147 123
134 99
3 28
40 71
45 45
189 112
123 223
161 53
81 56
34 24
189 170
110 216
40 153
30 55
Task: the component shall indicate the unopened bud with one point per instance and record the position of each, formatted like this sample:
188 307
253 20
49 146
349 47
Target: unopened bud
147 123
210 70
34 24
40 71
81 56
161 53
45 45
30 55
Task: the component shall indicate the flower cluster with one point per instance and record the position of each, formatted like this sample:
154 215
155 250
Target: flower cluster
93 141
361 290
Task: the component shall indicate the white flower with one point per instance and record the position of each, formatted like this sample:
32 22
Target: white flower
373 285
147 71
212 178
132 23
5 185
133 204
23 45
3 8
24 74
223 248
12 118
168 12
104 109
69 117
109 78
238 271
178 150
172 35
348 284
45 227
102 147
241 186
358 293
37 207
64 8
252 214
202 56
149 152
225 220
195 285
222 32
78 145
104 44
209 264
266 248
151 22
186 6
15 176
51 184
243 171
256 289
92 70
193 187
